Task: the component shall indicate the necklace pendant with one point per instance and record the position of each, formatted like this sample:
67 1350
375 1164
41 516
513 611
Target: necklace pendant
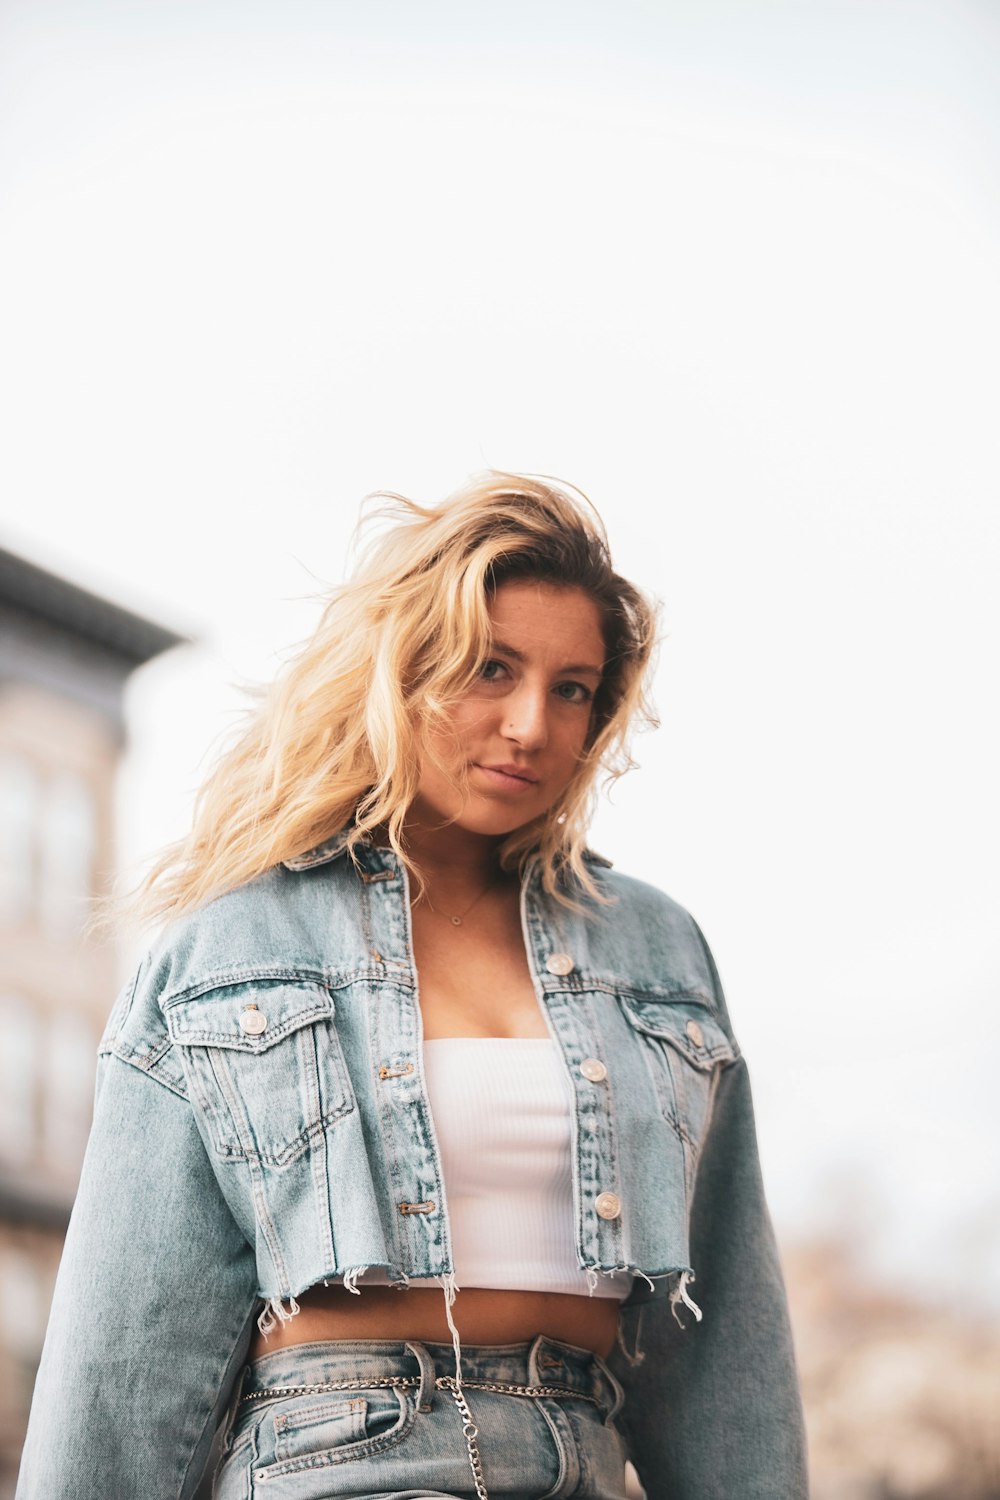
456 921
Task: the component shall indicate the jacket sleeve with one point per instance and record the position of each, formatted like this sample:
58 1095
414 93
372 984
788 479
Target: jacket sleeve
152 1313
712 1409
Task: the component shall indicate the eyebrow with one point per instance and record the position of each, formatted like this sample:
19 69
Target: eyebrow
581 667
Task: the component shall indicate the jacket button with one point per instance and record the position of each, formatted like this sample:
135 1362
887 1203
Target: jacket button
608 1205
593 1069
695 1032
252 1023
559 963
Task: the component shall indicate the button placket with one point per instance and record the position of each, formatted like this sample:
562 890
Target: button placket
425 1243
578 1024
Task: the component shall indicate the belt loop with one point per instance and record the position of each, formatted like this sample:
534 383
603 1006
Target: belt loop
534 1371
425 1395
616 1390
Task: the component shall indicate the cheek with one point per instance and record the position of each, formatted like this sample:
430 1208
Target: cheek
576 738
467 730
443 750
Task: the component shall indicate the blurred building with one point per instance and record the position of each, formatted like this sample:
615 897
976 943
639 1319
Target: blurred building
902 1396
65 655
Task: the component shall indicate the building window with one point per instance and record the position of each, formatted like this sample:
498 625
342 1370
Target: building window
68 833
19 1057
19 814
68 1090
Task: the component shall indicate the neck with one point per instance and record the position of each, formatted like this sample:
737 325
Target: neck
452 856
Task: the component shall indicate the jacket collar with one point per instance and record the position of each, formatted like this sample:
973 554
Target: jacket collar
321 854
331 848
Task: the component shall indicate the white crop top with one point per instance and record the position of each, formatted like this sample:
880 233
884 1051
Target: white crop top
502 1116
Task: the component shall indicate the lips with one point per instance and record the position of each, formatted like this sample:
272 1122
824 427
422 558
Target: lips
521 772
508 780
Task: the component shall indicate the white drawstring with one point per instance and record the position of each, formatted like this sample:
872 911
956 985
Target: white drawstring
680 1294
450 1286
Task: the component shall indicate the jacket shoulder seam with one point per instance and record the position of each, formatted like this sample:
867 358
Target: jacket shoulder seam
147 1066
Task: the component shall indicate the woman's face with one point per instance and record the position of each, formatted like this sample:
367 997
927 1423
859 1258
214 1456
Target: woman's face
522 726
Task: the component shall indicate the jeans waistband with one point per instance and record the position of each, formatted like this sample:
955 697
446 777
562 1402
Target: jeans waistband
540 1362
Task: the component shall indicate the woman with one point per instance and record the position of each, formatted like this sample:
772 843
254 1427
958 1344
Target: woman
416 1124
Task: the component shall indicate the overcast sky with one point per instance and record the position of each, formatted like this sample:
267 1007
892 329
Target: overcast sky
731 268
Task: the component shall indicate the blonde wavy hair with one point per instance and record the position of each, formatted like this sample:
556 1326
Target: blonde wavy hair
335 739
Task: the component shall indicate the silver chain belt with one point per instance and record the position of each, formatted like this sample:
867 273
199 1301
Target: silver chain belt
442 1383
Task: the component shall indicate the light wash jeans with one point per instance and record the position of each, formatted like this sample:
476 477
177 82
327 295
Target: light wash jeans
322 1420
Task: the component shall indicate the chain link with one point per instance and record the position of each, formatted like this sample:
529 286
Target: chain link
279 1392
402 1382
442 1383
470 1432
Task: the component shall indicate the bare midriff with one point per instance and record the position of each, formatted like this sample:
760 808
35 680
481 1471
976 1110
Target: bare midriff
482 1316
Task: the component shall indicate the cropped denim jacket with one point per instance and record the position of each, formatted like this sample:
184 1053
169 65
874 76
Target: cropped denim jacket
261 1125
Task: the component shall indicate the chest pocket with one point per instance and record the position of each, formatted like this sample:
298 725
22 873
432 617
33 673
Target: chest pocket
684 1046
265 1066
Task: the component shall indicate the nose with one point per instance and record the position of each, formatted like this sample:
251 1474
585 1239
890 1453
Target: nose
526 719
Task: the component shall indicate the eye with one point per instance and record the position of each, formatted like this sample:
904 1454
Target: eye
489 676
576 693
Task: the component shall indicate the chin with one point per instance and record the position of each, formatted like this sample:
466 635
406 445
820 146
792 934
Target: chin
487 819
498 823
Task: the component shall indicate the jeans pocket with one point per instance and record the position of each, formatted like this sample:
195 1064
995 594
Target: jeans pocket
328 1428
323 1426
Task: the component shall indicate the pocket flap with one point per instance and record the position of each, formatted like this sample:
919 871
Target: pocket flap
687 1025
248 1017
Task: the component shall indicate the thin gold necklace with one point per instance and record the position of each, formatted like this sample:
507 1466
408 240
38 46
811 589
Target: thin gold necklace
457 921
